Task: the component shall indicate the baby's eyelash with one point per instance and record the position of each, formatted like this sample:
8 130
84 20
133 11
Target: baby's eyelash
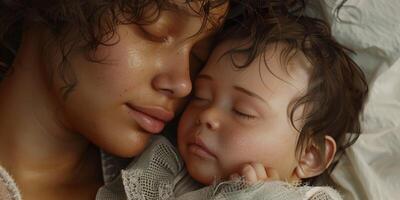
244 115
198 98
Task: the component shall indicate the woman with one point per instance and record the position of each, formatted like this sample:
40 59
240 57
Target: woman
89 75
92 75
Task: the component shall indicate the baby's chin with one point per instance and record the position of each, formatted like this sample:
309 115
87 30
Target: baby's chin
206 175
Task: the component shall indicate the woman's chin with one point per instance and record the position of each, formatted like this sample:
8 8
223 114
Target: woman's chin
126 147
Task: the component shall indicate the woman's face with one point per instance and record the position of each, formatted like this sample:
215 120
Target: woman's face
139 84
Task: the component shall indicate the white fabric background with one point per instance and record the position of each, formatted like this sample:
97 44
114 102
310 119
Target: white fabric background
370 169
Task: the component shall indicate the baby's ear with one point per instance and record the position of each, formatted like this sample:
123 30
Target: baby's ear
313 162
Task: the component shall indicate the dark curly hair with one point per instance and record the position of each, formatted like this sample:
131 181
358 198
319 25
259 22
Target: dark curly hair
337 88
94 22
89 23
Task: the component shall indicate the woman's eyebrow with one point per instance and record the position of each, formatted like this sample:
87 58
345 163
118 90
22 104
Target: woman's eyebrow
183 7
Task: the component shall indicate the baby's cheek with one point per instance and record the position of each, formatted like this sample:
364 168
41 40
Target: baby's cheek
241 149
237 151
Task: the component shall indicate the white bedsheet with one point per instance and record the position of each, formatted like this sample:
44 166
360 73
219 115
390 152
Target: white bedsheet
370 169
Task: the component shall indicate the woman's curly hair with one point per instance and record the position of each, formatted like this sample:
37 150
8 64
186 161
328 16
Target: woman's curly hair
91 23
95 21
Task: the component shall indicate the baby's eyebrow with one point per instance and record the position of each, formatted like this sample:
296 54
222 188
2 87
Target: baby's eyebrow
249 93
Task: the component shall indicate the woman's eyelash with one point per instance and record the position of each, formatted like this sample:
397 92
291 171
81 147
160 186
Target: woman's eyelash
152 37
244 115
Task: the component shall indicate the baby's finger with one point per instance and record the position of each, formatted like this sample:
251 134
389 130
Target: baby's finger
260 170
249 174
234 176
272 174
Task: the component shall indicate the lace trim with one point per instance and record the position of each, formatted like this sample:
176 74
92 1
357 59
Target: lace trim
134 182
10 184
131 184
152 175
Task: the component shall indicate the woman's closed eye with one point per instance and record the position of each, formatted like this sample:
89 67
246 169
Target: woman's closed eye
153 35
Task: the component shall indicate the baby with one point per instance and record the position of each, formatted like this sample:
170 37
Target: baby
265 116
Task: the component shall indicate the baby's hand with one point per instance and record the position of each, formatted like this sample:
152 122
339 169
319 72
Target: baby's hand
255 172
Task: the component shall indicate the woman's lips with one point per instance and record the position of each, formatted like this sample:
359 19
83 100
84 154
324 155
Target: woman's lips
147 120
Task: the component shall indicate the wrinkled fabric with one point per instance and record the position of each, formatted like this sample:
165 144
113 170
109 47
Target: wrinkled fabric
159 174
370 169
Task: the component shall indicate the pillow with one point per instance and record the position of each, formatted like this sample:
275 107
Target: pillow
370 27
370 169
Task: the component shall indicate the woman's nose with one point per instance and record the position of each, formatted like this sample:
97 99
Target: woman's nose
174 79
176 86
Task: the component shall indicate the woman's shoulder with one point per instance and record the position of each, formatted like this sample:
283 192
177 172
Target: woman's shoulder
8 188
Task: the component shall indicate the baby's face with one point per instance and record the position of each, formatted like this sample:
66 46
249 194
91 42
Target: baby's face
240 116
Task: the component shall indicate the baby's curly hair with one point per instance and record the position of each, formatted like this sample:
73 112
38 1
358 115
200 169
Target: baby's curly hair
337 88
